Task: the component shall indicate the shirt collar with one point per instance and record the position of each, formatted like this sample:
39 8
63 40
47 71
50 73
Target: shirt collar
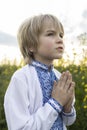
41 65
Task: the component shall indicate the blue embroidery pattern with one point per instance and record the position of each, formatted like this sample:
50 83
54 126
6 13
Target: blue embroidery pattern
46 77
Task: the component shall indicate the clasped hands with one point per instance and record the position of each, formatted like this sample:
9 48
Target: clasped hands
64 91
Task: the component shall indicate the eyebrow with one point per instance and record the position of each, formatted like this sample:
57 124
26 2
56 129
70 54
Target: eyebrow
50 31
54 31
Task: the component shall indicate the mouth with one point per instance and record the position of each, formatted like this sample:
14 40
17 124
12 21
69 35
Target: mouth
60 48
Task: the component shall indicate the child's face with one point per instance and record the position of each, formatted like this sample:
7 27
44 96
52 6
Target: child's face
50 45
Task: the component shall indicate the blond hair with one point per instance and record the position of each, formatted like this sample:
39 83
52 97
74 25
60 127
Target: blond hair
30 30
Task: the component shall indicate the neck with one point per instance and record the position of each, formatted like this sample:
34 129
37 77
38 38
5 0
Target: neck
48 63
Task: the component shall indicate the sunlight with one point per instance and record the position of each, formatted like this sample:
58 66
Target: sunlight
9 53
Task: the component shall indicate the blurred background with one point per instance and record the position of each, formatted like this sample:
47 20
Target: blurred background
73 15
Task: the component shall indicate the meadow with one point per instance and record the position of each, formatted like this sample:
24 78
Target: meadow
79 73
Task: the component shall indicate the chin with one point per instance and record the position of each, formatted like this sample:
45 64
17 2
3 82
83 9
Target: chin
59 56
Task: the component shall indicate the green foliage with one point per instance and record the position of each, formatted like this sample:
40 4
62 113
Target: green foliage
6 72
79 74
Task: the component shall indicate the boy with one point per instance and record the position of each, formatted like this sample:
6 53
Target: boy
38 96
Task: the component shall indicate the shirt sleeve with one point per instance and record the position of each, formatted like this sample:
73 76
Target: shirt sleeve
68 118
57 106
17 109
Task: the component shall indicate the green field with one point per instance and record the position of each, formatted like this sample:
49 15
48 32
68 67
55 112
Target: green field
79 73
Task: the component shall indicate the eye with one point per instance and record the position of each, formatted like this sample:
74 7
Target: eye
61 35
50 34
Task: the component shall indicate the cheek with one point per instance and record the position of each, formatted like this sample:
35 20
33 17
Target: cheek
48 46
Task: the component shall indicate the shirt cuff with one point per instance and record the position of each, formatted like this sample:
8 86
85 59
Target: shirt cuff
69 114
57 106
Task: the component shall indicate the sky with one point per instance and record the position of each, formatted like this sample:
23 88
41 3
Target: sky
72 14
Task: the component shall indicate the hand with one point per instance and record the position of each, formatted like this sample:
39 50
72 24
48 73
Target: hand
68 106
63 90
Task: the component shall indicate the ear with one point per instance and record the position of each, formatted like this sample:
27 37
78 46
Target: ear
31 49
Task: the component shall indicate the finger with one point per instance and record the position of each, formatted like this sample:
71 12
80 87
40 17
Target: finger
54 85
68 82
71 88
63 79
55 82
73 84
68 74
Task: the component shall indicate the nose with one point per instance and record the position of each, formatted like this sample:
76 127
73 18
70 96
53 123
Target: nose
59 39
